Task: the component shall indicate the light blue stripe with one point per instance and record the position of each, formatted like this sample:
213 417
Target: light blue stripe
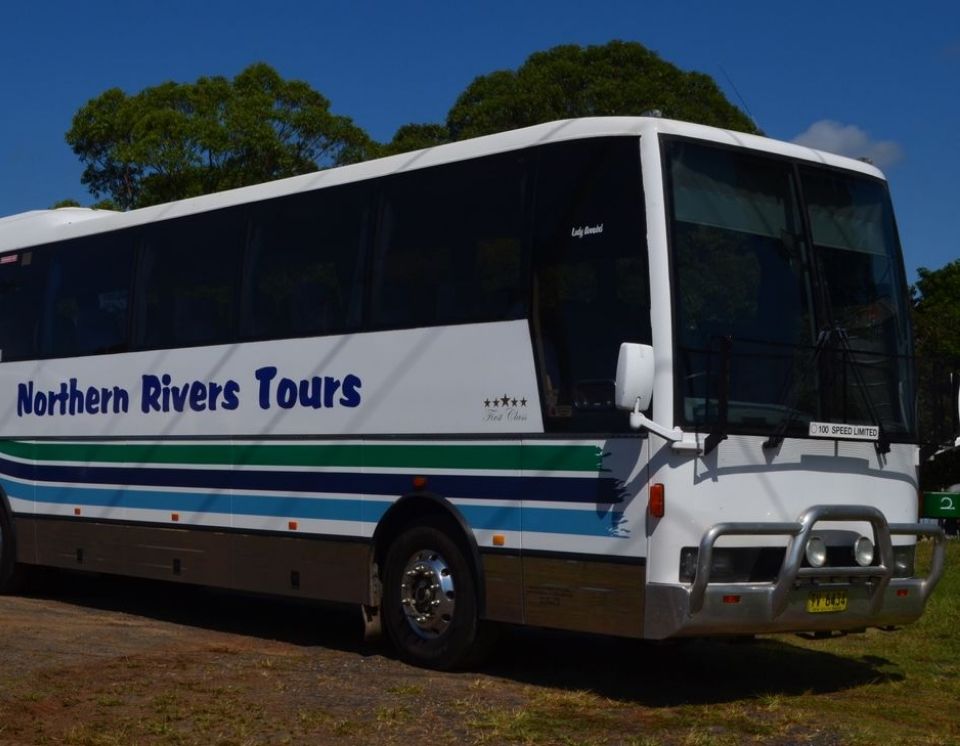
578 522
481 517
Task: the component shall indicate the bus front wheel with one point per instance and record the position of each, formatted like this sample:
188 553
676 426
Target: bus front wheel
430 599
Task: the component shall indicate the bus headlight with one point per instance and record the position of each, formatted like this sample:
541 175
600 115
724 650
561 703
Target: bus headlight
903 561
816 552
863 551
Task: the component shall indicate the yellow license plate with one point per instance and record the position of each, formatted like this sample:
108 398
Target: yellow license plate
820 602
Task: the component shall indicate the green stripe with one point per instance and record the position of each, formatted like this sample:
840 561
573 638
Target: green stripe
583 458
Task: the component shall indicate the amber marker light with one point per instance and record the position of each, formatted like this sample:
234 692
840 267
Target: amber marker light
292 525
76 511
499 540
174 517
419 483
656 505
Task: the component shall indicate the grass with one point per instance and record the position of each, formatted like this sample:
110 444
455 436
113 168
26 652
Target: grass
897 687
913 697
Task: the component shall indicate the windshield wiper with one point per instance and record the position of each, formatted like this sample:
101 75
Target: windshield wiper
719 430
790 401
882 443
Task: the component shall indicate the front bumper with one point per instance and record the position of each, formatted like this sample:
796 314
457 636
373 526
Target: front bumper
874 596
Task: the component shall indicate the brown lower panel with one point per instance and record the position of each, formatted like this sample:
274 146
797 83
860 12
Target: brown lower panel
26 541
584 595
503 577
563 593
314 568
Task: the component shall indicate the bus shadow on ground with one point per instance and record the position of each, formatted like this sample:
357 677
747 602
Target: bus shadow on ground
655 674
301 623
701 671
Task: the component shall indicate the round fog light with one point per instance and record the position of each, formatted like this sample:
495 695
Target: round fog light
863 551
816 552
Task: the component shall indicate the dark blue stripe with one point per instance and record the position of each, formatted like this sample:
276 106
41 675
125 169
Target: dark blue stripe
563 489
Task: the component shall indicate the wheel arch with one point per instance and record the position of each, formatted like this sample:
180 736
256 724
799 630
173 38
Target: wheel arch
6 513
11 572
420 507
5 503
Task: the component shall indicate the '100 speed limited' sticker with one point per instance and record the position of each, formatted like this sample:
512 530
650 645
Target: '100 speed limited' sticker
844 431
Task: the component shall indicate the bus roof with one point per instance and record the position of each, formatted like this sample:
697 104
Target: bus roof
44 226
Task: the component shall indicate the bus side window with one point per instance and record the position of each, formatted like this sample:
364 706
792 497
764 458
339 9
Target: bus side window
591 282
22 276
304 266
451 246
86 304
187 281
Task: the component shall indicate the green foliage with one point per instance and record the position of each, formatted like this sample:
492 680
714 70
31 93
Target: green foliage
941 471
936 322
179 140
414 137
104 204
616 79
937 312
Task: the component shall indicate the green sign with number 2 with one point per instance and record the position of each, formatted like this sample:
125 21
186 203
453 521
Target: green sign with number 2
941 504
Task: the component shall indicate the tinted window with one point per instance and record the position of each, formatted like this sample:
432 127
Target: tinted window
858 254
591 284
756 293
87 296
187 282
450 248
740 263
22 276
304 265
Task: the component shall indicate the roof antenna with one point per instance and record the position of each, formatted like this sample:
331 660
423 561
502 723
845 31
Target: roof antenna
742 101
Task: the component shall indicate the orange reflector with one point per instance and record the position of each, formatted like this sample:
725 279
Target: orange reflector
419 483
292 525
903 592
731 599
656 504
174 516
499 540
76 511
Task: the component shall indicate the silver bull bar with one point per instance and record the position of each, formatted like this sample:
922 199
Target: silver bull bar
792 570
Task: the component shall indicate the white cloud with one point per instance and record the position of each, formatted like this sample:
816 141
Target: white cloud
849 140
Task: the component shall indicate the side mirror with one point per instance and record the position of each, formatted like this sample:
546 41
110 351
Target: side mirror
634 376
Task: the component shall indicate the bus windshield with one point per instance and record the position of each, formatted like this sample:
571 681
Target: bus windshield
789 295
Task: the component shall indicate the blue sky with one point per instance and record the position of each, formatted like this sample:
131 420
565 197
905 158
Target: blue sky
875 78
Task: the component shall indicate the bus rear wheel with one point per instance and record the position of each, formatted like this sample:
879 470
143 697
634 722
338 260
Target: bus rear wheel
430 599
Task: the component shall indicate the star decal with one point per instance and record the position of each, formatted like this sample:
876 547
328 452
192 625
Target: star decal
499 402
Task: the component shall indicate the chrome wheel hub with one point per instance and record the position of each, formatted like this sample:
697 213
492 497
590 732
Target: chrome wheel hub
427 593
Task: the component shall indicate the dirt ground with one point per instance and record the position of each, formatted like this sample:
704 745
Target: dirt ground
97 660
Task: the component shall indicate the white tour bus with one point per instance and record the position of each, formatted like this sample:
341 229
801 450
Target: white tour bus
620 375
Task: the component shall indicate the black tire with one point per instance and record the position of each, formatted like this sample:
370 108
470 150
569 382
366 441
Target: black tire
448 635
11 573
